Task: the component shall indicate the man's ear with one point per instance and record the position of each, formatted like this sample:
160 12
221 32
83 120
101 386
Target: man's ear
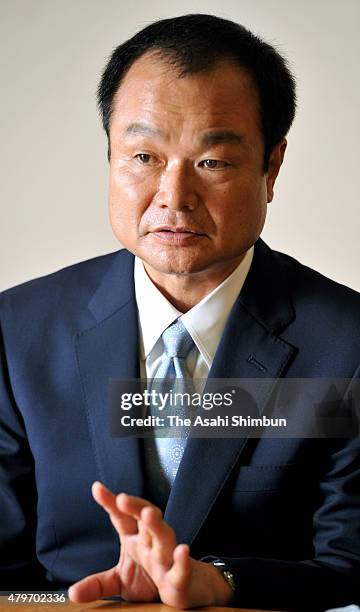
275 161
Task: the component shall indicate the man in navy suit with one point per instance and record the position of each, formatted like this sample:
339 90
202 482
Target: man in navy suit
196 109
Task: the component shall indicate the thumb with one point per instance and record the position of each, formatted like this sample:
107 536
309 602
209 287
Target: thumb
96 586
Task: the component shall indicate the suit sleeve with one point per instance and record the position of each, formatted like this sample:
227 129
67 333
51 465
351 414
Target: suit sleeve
19 568
332 577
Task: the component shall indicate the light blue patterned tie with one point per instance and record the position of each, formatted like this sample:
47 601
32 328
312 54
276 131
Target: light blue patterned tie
173 374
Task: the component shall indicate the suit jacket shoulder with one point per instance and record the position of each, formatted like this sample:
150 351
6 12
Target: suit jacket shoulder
64 295
309 311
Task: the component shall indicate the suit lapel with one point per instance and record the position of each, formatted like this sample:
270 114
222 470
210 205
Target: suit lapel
250 348
108 350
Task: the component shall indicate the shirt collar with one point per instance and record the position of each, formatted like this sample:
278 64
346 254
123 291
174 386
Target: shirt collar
205 321
155 312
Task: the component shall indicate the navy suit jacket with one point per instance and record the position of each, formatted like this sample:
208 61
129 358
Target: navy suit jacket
285 513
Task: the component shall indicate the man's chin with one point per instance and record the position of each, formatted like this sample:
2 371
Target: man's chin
173 268
173 265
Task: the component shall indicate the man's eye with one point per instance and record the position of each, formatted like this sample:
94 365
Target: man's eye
144 158
213 164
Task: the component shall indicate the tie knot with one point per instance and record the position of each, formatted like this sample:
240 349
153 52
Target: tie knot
177 340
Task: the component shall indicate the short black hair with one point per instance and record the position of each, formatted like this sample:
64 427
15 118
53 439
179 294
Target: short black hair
195 43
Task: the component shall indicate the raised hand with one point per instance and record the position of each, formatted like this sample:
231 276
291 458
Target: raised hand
127 578
181 581
151 565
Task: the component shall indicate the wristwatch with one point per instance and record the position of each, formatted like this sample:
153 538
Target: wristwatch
227 575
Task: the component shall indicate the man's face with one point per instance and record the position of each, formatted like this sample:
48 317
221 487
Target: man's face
187 189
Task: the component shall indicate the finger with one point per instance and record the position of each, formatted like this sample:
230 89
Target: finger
132 505
162 536
179 574
144 537
96 586
123 523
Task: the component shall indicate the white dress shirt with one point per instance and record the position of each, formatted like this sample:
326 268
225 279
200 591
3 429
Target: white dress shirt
205 321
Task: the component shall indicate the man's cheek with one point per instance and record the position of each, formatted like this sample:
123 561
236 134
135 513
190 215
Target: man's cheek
124 178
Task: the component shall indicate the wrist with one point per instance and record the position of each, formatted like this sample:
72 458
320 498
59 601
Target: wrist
223 593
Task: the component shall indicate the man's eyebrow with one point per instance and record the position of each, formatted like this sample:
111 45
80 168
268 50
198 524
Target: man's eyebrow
143 129
220 136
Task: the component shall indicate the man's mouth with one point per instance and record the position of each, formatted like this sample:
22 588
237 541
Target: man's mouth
176 234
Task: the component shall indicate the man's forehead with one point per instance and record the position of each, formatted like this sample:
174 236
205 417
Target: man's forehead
207 137
217 106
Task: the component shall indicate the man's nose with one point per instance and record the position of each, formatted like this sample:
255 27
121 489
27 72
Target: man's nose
178 188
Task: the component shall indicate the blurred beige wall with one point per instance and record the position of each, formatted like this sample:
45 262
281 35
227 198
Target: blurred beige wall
53 153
